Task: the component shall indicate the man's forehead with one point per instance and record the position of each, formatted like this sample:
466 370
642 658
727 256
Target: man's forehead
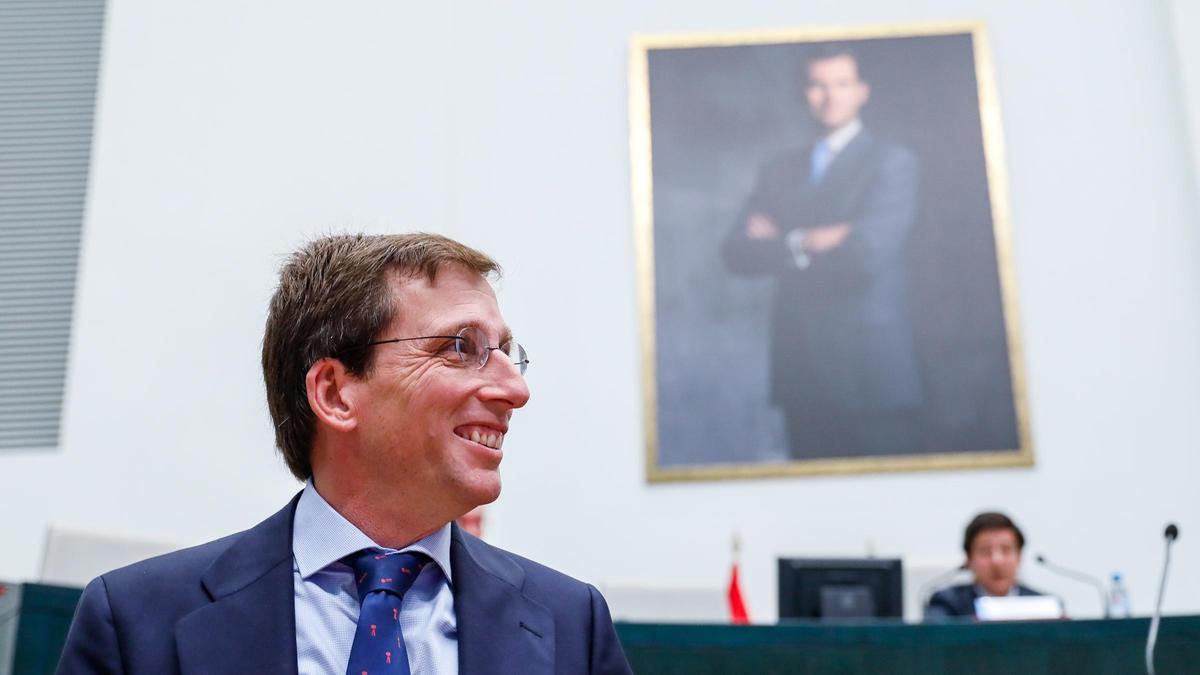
454 299
451 283
840 60
993 533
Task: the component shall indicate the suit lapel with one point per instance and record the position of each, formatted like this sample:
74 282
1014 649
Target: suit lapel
818 204
833 198
251 624
847 162
499 629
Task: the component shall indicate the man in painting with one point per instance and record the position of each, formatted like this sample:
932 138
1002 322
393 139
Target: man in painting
831 222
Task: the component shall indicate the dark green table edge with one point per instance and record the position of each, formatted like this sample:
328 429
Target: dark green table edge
46 612
1101 646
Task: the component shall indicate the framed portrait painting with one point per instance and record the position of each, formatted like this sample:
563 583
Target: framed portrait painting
825 270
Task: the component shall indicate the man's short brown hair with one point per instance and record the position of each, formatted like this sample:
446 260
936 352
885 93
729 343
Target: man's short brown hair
832 50
990 520
335 296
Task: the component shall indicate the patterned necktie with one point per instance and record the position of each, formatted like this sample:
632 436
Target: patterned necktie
822 157
382 581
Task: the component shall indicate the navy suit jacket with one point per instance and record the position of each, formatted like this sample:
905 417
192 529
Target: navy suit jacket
227 607
840 328
960 601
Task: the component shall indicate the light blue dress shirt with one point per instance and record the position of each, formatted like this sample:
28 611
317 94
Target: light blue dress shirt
327 601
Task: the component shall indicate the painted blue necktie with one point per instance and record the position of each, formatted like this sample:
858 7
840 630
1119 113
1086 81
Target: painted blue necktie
822 157
382 581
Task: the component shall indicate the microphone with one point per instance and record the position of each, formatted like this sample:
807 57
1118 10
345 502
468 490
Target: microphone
927 589
1079 576
1171 534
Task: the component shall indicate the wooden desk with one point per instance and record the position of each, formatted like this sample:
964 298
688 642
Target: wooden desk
1093 647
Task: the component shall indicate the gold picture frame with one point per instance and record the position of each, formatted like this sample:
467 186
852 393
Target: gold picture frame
702 108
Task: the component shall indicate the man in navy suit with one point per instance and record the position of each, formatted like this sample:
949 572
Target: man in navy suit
993 545
831 223
391 378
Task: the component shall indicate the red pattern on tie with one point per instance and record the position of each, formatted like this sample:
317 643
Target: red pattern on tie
382 581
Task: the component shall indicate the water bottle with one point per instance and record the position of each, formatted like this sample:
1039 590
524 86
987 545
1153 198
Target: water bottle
1118 599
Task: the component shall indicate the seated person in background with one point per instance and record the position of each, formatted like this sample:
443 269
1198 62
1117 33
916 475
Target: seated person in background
993 546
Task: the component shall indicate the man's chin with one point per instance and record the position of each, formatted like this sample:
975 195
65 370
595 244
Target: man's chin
999 589
483 489
831 125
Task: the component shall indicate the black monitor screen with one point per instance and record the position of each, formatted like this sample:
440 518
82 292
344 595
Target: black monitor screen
822 588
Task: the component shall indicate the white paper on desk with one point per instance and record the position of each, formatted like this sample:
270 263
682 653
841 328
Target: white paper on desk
1018 608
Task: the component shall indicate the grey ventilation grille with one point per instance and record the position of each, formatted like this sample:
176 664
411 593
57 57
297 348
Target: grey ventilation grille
49 61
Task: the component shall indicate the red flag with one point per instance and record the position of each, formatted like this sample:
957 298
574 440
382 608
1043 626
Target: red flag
737 604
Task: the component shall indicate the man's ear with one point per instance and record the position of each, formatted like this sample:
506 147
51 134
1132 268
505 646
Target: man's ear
329 396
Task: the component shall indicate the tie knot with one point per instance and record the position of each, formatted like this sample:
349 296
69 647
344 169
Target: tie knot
375 570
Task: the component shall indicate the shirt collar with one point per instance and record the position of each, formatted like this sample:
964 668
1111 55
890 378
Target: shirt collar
1013 591
321 536
838 139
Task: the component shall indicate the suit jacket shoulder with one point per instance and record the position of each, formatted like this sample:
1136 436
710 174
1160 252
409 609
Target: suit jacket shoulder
955 601
1025 590
537 579
516 615
158 614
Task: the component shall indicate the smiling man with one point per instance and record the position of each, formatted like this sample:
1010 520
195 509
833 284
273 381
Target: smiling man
830 221
391 379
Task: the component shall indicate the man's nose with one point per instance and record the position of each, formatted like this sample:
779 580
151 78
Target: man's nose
505 382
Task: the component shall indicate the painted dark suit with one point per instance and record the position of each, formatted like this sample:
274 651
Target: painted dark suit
843 363
228 607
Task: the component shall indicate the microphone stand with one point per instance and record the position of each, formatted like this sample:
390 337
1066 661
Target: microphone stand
1080 576
1171 535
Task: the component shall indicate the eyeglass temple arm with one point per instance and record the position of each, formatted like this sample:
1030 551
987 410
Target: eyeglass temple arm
410 339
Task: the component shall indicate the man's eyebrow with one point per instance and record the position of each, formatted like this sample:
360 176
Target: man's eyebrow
454 328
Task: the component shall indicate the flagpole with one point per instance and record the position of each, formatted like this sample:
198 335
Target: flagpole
738 613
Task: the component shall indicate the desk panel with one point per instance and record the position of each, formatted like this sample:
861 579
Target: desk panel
1098 647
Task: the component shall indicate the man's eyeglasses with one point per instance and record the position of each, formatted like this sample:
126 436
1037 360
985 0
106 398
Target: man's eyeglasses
472 348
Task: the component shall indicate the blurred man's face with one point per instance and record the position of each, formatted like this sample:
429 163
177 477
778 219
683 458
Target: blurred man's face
994 559
834 92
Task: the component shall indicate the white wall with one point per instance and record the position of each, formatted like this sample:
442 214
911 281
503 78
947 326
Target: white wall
230 131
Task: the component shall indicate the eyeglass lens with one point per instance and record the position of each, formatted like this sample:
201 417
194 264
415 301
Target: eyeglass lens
474 350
